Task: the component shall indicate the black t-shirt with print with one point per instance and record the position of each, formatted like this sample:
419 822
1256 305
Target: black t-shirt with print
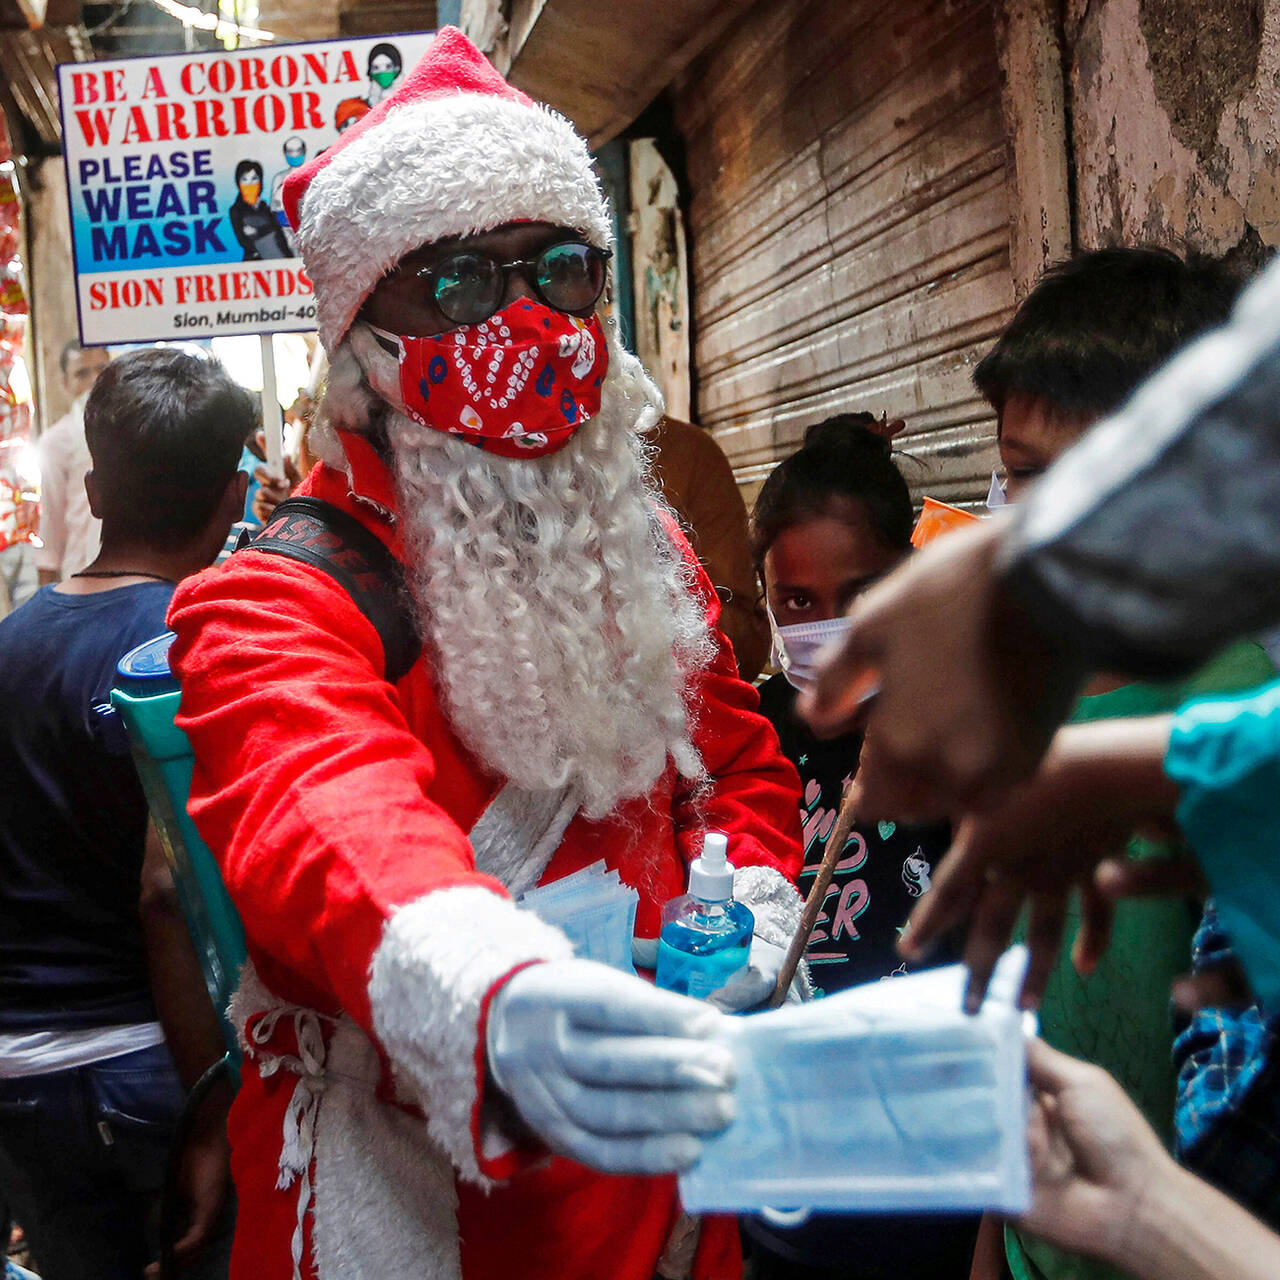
885 868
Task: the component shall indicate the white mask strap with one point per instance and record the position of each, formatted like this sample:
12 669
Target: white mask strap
381 367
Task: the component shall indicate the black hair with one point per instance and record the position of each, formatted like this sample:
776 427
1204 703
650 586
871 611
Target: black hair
387 51
1095 326
165 430
841 459
248 166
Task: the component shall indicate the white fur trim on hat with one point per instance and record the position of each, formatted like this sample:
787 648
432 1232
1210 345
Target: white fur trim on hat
438 960
445 166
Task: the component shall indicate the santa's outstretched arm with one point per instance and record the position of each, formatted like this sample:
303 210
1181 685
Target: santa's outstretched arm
357 892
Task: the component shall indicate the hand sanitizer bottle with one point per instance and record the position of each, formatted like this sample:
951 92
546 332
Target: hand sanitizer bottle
706 935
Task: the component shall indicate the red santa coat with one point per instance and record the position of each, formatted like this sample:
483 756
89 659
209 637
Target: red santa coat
337 805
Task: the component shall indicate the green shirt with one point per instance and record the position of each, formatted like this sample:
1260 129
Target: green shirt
1118 1017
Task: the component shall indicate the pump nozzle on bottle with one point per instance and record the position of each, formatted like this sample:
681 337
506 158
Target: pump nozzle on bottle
711 876
706 936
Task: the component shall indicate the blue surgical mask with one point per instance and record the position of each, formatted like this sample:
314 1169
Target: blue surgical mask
883 1098
796 648
294 161
594 909
997 495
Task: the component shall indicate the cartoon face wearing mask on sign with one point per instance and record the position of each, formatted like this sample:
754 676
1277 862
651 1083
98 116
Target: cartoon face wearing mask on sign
295 155
255 226
384 70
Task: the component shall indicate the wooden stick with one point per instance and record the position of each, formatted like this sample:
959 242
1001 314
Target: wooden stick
813 903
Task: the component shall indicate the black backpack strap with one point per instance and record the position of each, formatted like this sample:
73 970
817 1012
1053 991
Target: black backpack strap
320 534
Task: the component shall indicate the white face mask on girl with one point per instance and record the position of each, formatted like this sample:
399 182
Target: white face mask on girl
796 648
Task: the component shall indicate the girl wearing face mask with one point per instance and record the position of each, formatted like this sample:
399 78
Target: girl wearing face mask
829 521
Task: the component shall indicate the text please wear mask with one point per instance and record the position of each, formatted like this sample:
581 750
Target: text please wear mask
518 384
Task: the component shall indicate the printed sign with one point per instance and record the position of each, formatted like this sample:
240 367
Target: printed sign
175 171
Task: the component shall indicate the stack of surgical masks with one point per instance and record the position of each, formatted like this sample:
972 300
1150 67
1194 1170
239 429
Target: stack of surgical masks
594 909
883 1098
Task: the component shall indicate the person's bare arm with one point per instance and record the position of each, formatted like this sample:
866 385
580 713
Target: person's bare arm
194 1037
273 489
1146 547
1098 782
182 999
1105 1186
698 482
988 1251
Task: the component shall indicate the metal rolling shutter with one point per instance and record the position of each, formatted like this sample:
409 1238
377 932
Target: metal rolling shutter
849 229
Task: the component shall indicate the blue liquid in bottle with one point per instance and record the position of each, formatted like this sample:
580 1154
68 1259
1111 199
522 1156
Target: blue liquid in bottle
706 936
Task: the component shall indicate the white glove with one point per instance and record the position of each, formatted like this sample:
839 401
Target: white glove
607 1069
754 985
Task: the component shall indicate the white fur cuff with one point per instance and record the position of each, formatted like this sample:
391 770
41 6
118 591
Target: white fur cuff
439 960
777 907
774 901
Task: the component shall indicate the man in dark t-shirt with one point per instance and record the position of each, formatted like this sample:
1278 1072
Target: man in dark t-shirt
91 980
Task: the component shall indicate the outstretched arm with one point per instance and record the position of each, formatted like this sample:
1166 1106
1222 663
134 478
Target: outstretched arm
1098 782
752 791
1146 547
1105 1186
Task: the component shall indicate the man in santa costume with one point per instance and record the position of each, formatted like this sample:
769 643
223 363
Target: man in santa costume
433 1083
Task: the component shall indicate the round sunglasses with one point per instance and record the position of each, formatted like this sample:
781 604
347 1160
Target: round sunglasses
469 286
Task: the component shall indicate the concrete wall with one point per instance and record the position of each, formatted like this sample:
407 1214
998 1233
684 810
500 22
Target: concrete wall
1175 123
1033 101
51 282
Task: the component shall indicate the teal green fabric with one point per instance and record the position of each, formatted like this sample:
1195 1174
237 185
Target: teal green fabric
1225 757
1118 1017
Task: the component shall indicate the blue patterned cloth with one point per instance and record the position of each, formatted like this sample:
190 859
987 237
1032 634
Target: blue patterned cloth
1227 1119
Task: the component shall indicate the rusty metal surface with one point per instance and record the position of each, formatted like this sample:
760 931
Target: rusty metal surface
602 65
849 229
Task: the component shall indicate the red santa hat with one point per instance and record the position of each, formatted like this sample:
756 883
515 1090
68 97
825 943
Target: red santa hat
455 150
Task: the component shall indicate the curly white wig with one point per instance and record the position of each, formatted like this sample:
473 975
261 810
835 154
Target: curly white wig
563 622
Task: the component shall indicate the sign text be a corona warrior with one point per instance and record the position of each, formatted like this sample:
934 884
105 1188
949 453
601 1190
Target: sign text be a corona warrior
176 167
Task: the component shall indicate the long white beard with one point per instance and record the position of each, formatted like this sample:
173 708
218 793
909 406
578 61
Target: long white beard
564 627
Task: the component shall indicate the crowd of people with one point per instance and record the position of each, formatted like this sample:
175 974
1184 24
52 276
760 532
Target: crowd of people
506 626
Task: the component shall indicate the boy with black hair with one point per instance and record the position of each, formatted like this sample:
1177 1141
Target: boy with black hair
89 1093
1090 330
1088 333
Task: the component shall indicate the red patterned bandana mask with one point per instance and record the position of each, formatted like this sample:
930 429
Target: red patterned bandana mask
518 384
